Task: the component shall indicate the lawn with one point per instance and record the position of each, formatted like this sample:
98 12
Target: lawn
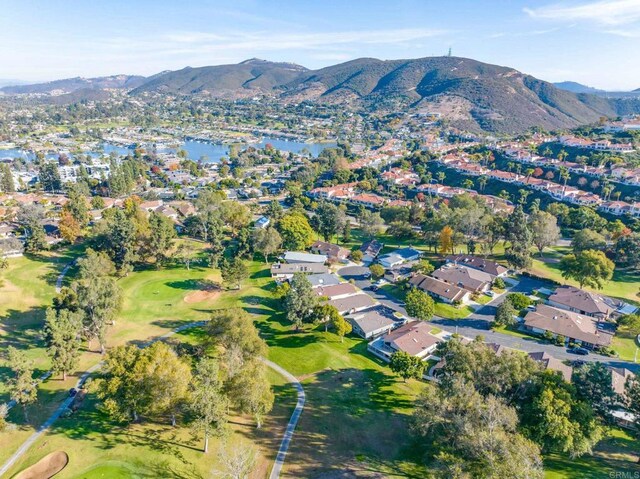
624 285
616 454
449 311
154 302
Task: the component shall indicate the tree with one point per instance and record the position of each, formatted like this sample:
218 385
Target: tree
423 266
296 231
630 324
251 391
233 271
69 227
160 237
235 214
377 270
544 229
628 251
30 218
62 331
340 325
593 385
119 386
419 304
237 462
21 386
99 299
95 264
4 412
370 223
267 241
49 177
520 238
554 418
165 380
186 253
356 256
632 399
519 300
117 235
469 435
76 206
406 366
446 240
588 239
299 300
589 267
6 179
208 403
234 328
505 313
328 220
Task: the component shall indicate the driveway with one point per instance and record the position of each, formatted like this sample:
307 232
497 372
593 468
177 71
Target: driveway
479 323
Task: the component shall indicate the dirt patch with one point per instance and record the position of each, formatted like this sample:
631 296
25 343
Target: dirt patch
199 296
47 467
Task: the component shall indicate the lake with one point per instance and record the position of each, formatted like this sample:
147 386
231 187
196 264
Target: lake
194 149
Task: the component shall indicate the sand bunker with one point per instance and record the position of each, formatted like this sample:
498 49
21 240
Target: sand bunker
47 467
199 296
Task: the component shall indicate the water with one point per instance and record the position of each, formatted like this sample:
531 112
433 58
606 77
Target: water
195 150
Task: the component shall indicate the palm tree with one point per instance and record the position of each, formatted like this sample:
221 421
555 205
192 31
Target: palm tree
482 182
468 184
441 176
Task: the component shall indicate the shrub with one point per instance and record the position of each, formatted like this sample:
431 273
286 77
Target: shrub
498 283
519 300
356 255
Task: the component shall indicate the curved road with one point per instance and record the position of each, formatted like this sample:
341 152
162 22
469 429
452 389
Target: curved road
284 444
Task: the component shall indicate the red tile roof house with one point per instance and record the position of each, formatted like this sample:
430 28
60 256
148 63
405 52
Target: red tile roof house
414 338
445 292
584 302
472 279
574 327
332 251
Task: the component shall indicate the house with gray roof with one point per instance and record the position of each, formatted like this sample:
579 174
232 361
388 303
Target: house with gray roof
471 279
302 257
284 271
583 302
373 322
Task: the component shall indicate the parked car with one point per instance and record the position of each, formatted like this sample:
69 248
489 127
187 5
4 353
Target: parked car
379 284
490 293
579 351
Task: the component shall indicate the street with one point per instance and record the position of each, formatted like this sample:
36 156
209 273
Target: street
479 323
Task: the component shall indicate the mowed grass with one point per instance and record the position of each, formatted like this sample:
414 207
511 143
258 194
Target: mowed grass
617 454
100 448
357 411
624 285
153 303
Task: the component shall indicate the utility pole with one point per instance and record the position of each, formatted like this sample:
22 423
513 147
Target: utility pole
449 54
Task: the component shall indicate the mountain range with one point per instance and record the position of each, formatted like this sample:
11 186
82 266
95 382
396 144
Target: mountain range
471 95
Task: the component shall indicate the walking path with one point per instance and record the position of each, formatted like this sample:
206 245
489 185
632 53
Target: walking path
284 445
293 421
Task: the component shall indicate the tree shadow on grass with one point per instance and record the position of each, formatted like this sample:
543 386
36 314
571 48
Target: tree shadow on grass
350 412
194 285
22 329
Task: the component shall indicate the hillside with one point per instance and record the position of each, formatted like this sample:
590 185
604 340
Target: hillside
70 85
470 95
576 87
244 79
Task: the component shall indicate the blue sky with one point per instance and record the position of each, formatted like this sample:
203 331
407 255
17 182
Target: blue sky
592 42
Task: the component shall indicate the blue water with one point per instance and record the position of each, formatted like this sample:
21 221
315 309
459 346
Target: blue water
195 150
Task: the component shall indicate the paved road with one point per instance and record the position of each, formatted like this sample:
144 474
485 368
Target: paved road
293 421
479 323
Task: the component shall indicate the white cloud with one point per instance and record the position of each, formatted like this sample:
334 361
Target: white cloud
604 12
